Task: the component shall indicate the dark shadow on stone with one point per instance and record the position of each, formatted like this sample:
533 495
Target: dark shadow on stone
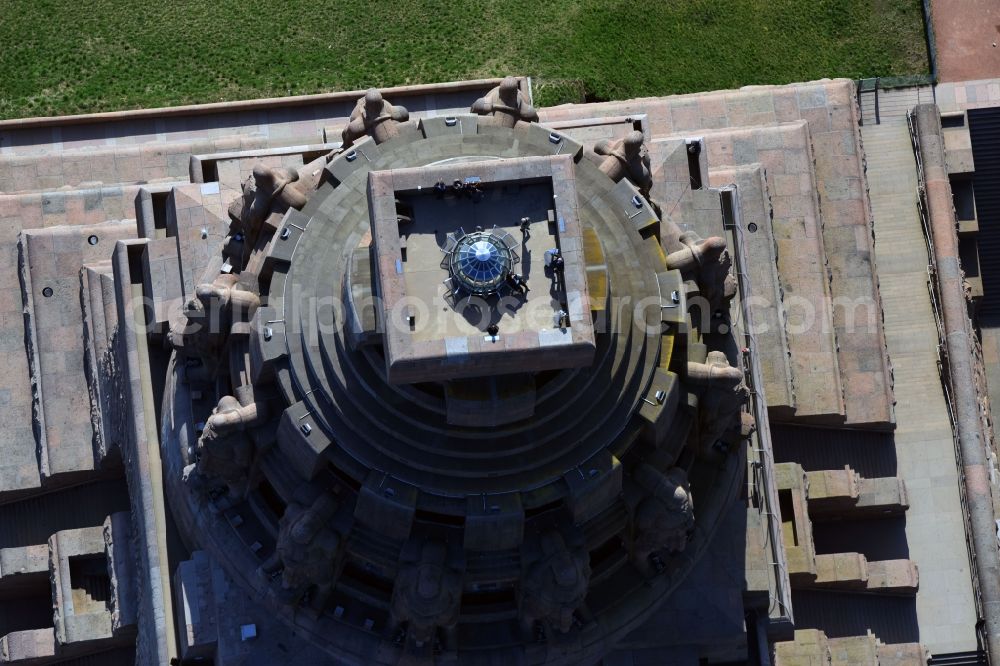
840 614
870 454
879 539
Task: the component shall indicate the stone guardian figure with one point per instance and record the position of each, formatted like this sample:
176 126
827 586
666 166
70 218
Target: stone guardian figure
505 106
427 594
225 450
663 520
374 117
307 551
722 397
555 584
626 158
707 261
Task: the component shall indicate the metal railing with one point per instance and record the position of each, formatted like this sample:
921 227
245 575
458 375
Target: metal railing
866 86
762 494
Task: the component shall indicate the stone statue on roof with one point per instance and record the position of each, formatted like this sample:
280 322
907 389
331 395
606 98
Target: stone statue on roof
427 593
374 117
626 158
722 395
207 318
663 520
707 261
307 551
225 450
505 105
555 583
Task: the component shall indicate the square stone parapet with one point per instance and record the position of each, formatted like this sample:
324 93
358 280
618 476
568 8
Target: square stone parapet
444 356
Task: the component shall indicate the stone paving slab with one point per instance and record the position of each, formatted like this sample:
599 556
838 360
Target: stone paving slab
161 277
198 220
112 165
964 95
923 437
51 263
772 343
70 207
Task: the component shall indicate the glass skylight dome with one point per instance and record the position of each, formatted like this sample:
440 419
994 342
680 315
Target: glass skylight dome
480 262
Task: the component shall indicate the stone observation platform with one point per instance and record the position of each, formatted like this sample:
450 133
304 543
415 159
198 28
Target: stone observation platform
428 375
409 268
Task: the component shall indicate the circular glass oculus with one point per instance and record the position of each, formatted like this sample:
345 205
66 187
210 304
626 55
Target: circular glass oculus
480 262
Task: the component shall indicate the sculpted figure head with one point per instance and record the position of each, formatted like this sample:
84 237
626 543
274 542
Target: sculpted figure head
626 158
373 103
508 91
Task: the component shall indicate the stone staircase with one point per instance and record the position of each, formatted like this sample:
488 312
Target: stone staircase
811 647
839 495
84 579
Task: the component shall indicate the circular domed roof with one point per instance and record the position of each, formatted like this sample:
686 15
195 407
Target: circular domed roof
480 262
536 515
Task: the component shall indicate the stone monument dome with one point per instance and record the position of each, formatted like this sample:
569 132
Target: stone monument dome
457 392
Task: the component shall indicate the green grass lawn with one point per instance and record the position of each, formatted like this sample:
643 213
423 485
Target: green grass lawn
62 56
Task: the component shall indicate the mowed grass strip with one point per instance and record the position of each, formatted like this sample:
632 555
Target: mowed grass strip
62 56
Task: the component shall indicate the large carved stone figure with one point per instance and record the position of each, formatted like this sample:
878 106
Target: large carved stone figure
722 394
706 260
375 117
664 519
270 185
427 594
208 317
555 584
268 190
626 158
225 450
307 551
505 105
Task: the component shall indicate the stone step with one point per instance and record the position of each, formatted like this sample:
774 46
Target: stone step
51 261
124 149
771 342
101 165
70 207
811 647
